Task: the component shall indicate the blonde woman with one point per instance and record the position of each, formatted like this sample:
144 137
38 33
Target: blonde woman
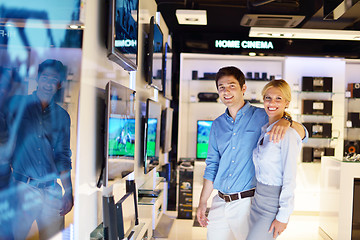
275 168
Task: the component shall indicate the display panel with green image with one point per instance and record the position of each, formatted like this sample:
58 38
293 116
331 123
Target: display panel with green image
151 137
121 137
202 138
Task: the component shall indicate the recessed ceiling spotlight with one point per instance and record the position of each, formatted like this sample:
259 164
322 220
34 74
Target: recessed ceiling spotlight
252 54
191 17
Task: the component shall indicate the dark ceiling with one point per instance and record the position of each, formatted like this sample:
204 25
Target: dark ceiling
224 17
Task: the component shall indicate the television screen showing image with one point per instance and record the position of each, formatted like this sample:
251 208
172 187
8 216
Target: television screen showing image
155 56
123 33
121 137
152 135
119 132
202 138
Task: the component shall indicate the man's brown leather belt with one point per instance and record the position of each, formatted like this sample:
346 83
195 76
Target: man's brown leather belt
237 196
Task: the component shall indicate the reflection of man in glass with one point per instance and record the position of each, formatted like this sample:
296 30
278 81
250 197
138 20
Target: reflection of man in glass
41 155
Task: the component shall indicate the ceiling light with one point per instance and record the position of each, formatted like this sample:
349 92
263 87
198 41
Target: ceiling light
252 54
191 17
302 33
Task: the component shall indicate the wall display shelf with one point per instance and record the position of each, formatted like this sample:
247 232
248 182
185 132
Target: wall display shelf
151 202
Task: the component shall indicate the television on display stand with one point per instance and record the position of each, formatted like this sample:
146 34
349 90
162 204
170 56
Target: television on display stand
122 36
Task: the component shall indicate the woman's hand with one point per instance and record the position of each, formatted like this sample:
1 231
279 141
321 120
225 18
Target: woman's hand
278 228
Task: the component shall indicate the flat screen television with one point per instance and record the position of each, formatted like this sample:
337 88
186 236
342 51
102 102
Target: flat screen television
119 132
152 135
166 129
202 138
123 33
126 216
119 218
167 67
155 46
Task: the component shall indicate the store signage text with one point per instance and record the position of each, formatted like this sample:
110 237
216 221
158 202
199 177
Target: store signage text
244 44
125 43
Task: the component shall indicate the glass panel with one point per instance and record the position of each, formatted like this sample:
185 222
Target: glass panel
40 60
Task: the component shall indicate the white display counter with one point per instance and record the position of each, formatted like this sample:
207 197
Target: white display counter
336 198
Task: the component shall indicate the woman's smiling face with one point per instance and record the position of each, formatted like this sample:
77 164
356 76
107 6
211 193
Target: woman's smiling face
275 103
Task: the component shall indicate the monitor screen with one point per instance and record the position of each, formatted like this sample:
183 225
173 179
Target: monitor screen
121 137
119 132
123 33
202 138
152 135
126 215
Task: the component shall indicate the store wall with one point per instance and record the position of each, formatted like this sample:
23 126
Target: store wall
96 71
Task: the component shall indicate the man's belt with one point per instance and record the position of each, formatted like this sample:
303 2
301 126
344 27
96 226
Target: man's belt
237 196
32 181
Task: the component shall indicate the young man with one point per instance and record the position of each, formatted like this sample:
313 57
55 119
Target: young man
41 155
229 165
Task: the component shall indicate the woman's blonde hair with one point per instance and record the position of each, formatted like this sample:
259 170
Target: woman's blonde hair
282 85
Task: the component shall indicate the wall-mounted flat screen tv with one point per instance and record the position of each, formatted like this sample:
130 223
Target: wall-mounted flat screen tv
167 67
119 132
152 135
155 46
166 129
202 138
123 33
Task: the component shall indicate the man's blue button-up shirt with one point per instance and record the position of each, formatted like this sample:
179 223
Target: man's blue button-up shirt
229 162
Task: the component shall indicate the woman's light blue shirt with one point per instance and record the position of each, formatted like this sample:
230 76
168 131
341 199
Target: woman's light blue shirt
275 164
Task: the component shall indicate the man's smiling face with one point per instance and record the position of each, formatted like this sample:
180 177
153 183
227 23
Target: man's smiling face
230 92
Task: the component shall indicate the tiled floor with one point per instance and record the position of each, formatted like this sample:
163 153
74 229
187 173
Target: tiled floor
300 227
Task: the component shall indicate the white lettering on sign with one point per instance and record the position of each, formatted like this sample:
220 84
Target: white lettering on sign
244 44
257 44
227 43
125 43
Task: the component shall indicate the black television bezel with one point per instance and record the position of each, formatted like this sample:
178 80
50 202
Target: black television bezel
166 82
105 172
166 129
150 54
197 130
147 160
112 53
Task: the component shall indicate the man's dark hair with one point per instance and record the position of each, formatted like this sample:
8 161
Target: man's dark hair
231 71
54 64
